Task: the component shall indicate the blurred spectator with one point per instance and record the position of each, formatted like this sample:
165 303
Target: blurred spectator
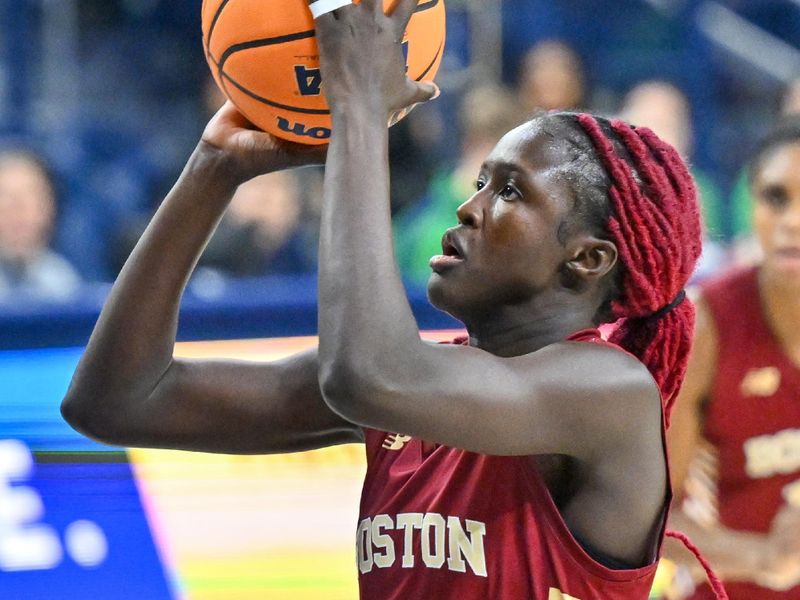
260 233
29 268
551 78
412 158
665 109
747 250
790 102
211 98
487 113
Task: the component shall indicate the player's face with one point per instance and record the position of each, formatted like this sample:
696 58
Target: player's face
776 190
506 249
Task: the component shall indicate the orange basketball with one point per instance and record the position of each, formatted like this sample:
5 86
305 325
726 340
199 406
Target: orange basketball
263 55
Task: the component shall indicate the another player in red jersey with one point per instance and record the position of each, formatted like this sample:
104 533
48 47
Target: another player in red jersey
742 394
527 462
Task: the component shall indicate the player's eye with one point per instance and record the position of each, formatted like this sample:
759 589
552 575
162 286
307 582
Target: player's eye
480 184
774 196
509 192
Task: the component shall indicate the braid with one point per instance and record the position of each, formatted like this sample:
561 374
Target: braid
640 194
716 583
655 224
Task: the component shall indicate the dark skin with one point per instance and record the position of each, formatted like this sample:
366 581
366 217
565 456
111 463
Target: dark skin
773 559
129 390
517 389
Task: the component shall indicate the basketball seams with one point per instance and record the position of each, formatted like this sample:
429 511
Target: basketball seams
213 25
278 39
281 39
254 96
237 79
240 47
426 6
433 62
308 111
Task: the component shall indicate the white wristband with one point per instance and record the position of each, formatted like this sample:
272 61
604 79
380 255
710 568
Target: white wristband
323 7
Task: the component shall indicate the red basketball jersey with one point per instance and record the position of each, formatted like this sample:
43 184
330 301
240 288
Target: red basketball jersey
440 523
753 418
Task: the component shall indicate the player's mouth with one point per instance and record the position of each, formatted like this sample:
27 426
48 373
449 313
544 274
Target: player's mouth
788 256
452 253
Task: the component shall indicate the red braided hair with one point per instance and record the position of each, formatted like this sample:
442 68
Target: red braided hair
656 227
716 583
655 224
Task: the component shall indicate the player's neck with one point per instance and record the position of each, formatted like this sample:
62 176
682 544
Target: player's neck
508 336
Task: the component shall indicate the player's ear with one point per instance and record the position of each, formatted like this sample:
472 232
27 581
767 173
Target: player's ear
589 259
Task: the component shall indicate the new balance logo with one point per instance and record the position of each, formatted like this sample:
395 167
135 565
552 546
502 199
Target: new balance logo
555 594
395 441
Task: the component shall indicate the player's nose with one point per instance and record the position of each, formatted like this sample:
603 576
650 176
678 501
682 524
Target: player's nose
470 213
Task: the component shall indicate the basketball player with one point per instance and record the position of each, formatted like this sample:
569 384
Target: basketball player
526 461
742 393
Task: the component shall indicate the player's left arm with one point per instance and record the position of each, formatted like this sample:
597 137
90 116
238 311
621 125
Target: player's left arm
374 368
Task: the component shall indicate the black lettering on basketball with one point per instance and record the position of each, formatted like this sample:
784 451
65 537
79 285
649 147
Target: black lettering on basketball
309 81
299 129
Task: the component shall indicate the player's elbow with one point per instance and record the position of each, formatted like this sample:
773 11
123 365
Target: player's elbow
338 383
88 418
347 389
74 412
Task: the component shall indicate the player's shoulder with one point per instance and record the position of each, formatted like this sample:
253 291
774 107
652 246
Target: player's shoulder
600 373
596 391
604 361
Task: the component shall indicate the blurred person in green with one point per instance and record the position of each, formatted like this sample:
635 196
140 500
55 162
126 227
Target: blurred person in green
487 113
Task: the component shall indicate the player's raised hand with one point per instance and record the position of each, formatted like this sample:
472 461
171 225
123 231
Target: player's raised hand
362 59
248 152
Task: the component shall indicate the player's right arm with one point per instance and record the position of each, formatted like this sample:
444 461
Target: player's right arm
129 390
734 555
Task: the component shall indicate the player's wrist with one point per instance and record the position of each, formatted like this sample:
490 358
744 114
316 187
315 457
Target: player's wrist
366 109
212 174
218 165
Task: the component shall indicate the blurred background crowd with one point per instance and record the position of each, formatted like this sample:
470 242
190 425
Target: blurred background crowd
102 101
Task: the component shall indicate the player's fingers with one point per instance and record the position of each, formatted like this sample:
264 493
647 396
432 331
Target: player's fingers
420 93
327 12
402 12
374 6
423 91
311 155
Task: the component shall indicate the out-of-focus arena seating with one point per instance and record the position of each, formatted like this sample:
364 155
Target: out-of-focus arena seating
108 98
113 95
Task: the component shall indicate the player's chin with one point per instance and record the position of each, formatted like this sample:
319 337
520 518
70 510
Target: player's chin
443 292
